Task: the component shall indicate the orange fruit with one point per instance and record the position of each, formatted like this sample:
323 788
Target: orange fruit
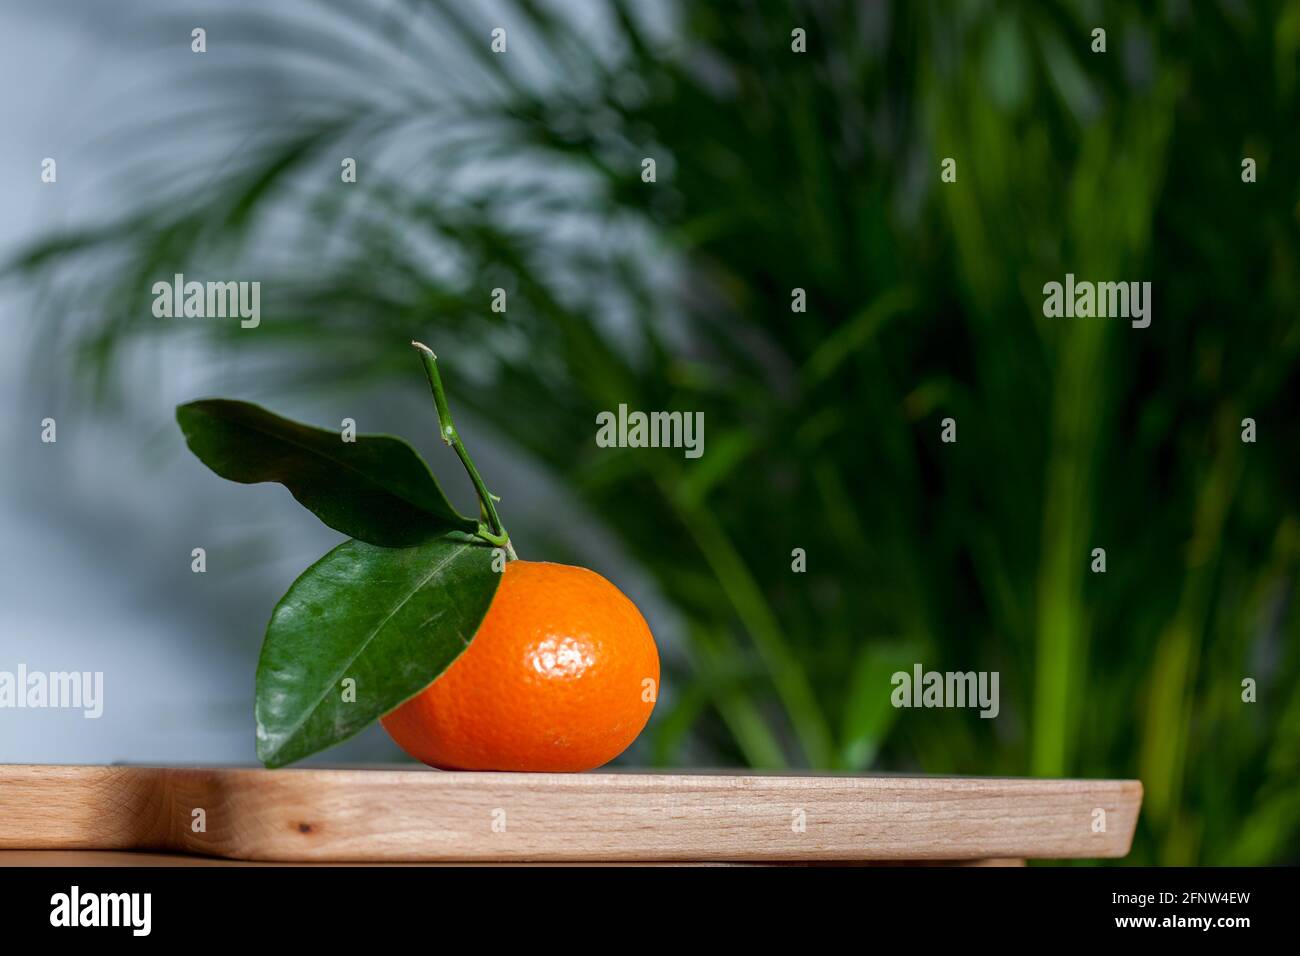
561 676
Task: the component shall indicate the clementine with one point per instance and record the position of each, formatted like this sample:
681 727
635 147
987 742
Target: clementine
561 676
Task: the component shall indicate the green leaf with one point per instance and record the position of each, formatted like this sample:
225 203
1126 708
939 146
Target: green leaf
377 488
390 619
868 711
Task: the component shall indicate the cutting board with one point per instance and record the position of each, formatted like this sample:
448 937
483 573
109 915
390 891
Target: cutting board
370 815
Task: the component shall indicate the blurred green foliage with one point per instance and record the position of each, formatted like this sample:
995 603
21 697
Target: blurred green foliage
820 171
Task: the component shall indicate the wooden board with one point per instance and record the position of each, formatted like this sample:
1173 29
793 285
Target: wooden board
144 858
425 815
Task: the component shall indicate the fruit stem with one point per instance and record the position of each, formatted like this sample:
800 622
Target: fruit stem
493 532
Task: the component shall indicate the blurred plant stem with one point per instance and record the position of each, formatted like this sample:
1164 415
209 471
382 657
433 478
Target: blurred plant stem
1171 704
747 599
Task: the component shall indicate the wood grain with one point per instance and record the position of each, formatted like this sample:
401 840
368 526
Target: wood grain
431 816
145 858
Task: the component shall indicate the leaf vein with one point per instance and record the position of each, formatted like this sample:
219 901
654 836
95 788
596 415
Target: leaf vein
334 460
311 711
